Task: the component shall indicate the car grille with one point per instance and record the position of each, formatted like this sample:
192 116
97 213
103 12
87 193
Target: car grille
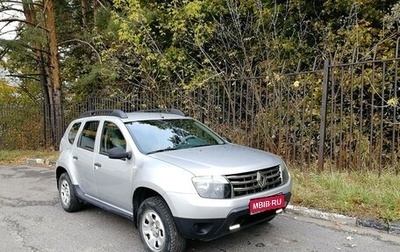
255 181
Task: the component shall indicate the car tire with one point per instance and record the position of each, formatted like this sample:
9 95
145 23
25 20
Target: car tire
157 228
69 201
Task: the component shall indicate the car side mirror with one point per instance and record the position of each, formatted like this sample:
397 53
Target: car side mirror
119 153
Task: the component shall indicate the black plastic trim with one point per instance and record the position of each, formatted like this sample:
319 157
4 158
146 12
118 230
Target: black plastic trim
167 111
121 114
100 204
109 112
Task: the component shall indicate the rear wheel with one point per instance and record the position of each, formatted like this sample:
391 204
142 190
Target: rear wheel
69 201
157 228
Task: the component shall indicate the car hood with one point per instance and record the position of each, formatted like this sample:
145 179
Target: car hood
219 159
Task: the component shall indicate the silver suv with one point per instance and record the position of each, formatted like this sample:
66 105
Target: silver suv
170 174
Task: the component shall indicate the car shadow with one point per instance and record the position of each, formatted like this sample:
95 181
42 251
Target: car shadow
250 238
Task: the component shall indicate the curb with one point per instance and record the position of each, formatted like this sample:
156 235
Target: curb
391 228
342 219
40 161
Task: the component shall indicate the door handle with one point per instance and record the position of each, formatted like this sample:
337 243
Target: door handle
97 166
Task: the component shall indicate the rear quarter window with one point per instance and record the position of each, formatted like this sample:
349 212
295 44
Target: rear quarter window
73 132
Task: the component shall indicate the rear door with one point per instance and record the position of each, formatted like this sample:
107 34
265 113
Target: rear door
83 155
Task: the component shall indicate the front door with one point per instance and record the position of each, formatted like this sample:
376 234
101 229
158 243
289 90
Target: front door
113 176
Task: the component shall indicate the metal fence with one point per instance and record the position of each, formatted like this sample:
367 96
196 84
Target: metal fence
339 117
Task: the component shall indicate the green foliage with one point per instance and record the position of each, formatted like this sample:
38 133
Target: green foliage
155 43
242 50
176 43
391 20
7 92
173 43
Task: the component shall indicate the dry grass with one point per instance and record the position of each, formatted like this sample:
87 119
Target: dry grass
358 194
20 156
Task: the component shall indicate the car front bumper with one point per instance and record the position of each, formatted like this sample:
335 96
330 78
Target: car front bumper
237 219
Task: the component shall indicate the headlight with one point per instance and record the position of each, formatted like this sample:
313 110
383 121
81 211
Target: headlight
214 187
285 172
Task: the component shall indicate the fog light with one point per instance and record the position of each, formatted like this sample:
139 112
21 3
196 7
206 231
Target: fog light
236 226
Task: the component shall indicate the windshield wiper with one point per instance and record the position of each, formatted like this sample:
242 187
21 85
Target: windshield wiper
161 150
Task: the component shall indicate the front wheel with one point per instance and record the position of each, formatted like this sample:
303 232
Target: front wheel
157 228
69 201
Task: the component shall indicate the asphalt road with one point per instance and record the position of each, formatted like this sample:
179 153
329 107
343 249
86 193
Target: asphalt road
31 219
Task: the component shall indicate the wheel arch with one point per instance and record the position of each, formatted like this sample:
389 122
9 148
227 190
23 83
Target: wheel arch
141 194
59 170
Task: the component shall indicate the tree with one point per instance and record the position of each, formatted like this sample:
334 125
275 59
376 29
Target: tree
37 55
37 41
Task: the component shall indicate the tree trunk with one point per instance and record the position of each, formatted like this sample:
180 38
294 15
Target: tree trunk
29 10
54 73
84 13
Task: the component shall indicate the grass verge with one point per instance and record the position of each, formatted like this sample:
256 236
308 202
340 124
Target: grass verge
357 194
20 156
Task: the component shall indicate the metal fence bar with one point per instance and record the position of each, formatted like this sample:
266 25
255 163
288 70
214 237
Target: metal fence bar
322 130
361 119
381 136
395 121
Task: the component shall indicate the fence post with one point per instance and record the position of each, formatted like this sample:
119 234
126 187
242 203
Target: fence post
322 128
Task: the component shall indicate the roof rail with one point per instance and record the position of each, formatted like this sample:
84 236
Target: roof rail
167 111
110 112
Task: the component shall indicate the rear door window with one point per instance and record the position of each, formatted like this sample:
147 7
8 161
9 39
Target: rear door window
88 136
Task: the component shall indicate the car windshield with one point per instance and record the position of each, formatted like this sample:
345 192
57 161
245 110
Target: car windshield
153 136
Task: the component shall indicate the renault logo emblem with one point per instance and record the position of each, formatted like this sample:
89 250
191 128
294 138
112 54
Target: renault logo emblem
261 180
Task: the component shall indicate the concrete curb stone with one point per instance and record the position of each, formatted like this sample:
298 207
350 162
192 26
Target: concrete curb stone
40 161
394 227
342 219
